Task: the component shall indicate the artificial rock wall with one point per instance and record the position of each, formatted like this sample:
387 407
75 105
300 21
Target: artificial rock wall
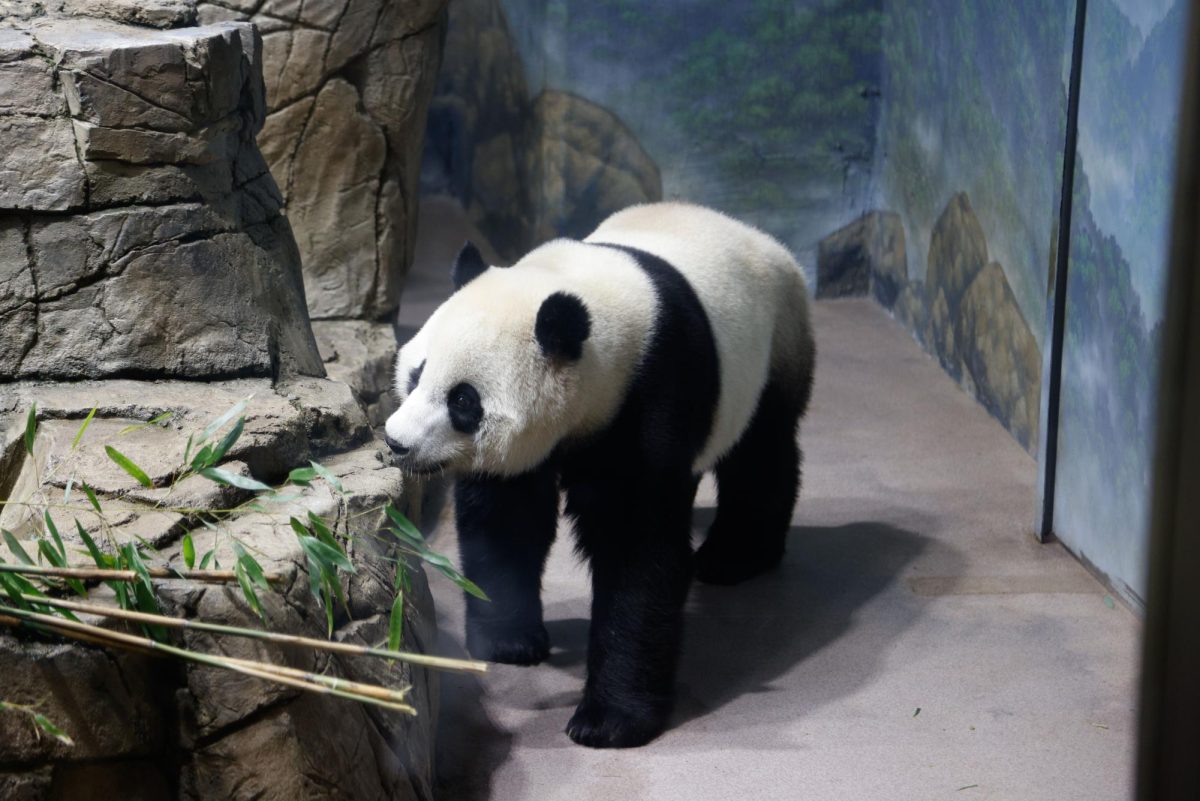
148 268
348 83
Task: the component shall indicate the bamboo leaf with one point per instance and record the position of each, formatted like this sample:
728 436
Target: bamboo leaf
325 473
396 623
302 475
322 531
101 559
187 449
15 547
206 559
233 412
31 425
403 523
253 568
139 426
227 442
244 581
86 422
53 529
325 554
67 490
416 545
234 480
45 724
203 458
91 496
189 551
127 464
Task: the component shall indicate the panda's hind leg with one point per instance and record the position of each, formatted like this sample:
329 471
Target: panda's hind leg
757 485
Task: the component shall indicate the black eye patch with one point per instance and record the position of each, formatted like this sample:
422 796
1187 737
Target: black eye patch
414 377
466 411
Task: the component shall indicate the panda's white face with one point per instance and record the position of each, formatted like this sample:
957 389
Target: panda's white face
488 384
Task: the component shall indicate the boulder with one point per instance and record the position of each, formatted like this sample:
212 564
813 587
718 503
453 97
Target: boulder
140 230
143 725
348 83
479 126
1000 353
587 164
362 355
957 253
866 256
525 169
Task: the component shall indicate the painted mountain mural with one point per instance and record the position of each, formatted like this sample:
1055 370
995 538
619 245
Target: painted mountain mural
1129 112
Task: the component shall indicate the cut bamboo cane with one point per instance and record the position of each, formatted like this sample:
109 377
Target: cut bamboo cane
439 662
104 574
12 616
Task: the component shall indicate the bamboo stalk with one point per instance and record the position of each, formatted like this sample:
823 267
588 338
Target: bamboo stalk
261 670
105 574
440 662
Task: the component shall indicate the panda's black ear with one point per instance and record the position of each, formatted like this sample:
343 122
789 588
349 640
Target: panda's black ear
563 324
468 266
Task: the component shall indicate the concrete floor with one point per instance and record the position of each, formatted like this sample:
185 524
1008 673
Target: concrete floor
916 643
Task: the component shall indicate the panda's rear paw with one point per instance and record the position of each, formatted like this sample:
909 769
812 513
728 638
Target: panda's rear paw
721 565
606 726
511 645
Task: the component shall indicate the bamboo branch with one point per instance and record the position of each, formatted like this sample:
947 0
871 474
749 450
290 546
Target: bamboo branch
104 574
261 670
329 646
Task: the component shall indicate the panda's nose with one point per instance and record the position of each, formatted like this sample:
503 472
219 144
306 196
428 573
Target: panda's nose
396 447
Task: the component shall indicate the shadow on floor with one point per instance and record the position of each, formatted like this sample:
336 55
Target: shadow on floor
740 639
470 747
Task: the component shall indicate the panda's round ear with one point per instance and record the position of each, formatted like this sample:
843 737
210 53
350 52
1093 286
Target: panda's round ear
563 324
468 266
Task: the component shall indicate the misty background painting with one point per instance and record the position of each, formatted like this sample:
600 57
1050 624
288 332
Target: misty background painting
927 133
1120 234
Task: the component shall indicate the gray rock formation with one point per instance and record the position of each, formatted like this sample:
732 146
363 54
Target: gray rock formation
140 231
362 355
141 725
348 83
525 169
866 256
141 236
585 165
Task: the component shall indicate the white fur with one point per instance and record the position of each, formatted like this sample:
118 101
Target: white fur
752 290
483 334
749 285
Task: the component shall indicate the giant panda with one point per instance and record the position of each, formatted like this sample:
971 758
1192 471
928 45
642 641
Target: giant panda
672 341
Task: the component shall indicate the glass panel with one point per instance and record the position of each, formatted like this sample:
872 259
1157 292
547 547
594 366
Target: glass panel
1128 112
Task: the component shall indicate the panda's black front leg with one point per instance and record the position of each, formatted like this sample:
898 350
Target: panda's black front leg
641 564
505 529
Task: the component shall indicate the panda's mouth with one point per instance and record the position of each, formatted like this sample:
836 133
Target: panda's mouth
411 468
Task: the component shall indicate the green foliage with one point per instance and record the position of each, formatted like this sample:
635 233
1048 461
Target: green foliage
324 548
43 723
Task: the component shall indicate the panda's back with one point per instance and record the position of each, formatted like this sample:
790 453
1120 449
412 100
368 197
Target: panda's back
749 287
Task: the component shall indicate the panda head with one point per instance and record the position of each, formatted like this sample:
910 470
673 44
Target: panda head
490 381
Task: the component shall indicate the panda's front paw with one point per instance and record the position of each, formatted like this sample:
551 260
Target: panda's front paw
599 725
512 645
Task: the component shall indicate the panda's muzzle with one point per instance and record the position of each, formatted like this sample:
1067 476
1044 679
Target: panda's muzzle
403 458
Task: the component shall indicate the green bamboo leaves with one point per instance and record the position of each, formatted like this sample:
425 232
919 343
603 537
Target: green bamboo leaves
411 541
125 463
43 723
